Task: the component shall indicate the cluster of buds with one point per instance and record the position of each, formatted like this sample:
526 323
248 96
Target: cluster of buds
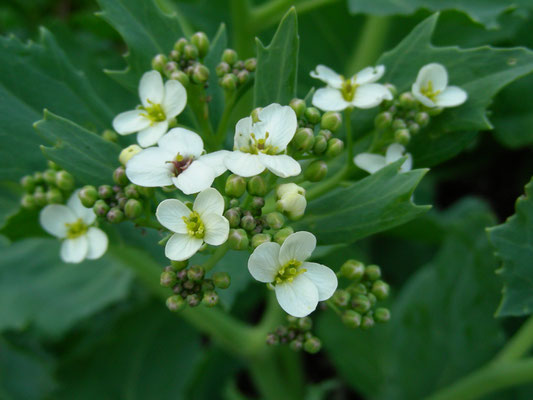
52 186
359 299
297 334
232 72
191 287
403 117
184 62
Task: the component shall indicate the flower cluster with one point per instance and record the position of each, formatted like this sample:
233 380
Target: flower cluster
234 73
297 334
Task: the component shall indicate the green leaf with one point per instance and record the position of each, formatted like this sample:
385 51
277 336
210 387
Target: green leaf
87 156
444 312
481 71
10 195
277 64
514 246
37 289
374 204
147 31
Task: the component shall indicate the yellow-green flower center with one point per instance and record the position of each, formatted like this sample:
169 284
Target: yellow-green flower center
76 229
289 271
154 112
195 226
260 145
429 92
348 89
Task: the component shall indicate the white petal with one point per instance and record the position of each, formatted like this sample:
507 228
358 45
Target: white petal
329 99
150 168
323 277
216 161
170 213
434 73
408 164
130 122
263 263
181 247
209 201
182 141
175 98
149 136
74 250
54 217
86 214
244 164
298 246
243 129
282 165
197 177
370 95
417 92
369 74
394 152
216 229
280 122
298 298
370 162
452 96
151 88
328 76
98 241
286 188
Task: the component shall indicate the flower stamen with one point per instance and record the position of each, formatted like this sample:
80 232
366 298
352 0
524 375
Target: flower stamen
429 92
289 271
76 229
348 89
195 226
154 112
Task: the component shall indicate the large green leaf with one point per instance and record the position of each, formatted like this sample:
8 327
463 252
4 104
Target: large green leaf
37 289
87 156
481 71
10 194
277 64
513 241
444 312
376 203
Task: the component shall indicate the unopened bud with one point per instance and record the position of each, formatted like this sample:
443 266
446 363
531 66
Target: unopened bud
422 119
361 304
243 76
210 299
331 121
64 181
293 205
28 201
407 100
175 303
54 196
49 176
168 278
131 191
382 315
28 183
230 56
367 322
414 128
200 40
272 339
179 265
115 215
257 186
233 215
303 140
341 297
100 208
200 73
248 223
229 82
381 290
119 176
260 238
257 203
316 171
180 44
299 106
287 188
282 234
40 198
402 136
133 208
335 147
235 186
250 64
190 51
351 319
275 220
312 345
398 123
222 280
127 153
222 69
158 62
353 269
238 239
193 300
105 191
296 345
181 77
320 145
88 195
373 272
383 120
196 273
313 115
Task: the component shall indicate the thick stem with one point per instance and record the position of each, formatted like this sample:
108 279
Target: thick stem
217 255
519 344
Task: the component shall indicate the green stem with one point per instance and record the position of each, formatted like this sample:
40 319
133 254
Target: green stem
326 186
349 137
197 103
148 223
217 255
519 344
223 124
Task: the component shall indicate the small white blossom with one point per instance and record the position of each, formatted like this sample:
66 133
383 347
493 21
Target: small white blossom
260 145
291 200
287 188
160 104
299 284
432 90
178 160
359 91
374 162
73 225
204 223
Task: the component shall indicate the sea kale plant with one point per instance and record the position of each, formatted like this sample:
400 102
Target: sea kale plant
227 220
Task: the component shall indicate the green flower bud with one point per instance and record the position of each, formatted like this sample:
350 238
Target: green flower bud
105 191
243 76
127 153
407 100
171 67
296 345
353 269
282 234
196 273
321 144
133 208
235 186
299 107
53 165
373 272
351 319
230 56
180 44
175 55
115 215
402 136
158 62
331 121
316 171
64 181
358 289
110 136
305 324
272 339
361 304
238 239
275 220
313 115
335 147
293 205
119 176
54 196
250 64
200 74
257 186
131 191
28 183
367 322
28 201
49 176
190 51
222 280
208 285
341 297
372 298
193 300
40 198
433 112
38 177
248 223
200 40
303 140
88 195
381 290
175 303
168 278
257 203
222 69
234 203
210 299
312 345
233 215
382 315
383 120
260 238
179 265
413 127
181 77
229 82
398 123
422 119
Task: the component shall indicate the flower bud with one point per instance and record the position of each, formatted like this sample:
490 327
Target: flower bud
196 273
175 303
208 285
28 183
28 201
54 196
38 177
88 195
381 290
272 339
171 67
331 121
210 299
243 76
413 127
257 203
299 106
158 62
110 136
367 322
361 304
248 223
407 100
402 136
40 198
222 69
275 220
49 176
234 203
398 123
193 300
303 140
229 82
287 188
127 153
313 115
257 186
360 288
168 278
175 55
200 40
312 345
353 269
238 239
105 191
316 171
235 186
190 51
372 298
119 176
181 77
373 272
282 234
233 215
320 145
293 204
179 265
133 208
180 44
304 324
341 297
422 119
222 280
250 64
383 120
230 56
260 238
382 314
115 215
351 319
200 74
100 208
335 147
131 191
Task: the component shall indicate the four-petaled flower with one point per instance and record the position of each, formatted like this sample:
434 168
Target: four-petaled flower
160 104
177 160
374 162
259 145
358 91
432 90
72 223
204 223
299 284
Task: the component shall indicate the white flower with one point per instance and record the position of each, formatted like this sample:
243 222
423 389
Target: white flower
177 160
291 200
299 284
259 145
374 162
358 91
204 223
160 104
287 188
432 90
72 223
